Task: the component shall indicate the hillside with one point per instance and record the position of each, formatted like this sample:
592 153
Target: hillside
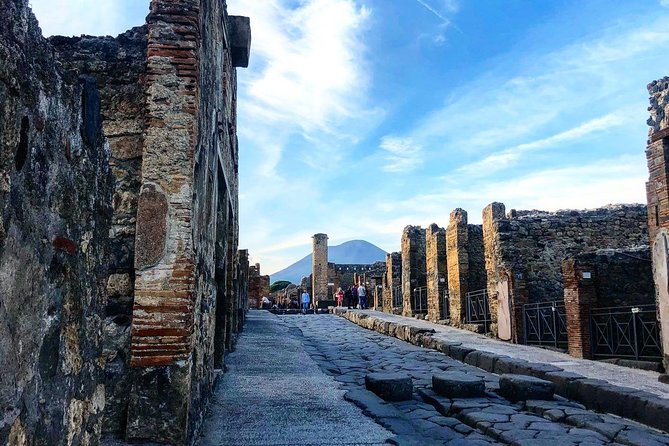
354 251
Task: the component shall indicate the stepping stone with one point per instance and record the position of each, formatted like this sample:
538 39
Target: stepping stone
458 385
390 386
523 388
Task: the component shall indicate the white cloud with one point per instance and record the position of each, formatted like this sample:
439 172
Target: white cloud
400 154
664 3
501 160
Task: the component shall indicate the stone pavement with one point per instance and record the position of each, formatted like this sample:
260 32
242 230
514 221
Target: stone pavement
348 353
630 393
273 393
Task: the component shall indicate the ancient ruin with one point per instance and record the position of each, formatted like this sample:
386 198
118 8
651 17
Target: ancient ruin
120 224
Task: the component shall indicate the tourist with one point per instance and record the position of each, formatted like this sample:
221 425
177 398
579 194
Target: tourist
348 297
340 297
362 294
305 302
354 291
265 303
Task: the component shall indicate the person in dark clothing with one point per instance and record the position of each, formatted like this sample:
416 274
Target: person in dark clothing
348 298
354 291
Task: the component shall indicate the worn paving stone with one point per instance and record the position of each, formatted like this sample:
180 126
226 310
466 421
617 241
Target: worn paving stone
522 387
458 385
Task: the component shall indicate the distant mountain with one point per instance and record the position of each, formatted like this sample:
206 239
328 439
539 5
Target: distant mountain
351 252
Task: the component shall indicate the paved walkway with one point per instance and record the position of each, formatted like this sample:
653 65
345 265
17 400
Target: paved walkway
273 393
614 374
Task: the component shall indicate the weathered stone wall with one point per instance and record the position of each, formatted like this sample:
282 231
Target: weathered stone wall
437 274
348 274
392 279
118 66
657 191
531 245
55 202
414 274
457 254
477 277
258 286
319 285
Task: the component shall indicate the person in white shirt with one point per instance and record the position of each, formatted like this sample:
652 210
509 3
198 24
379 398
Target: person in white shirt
362 295
305 302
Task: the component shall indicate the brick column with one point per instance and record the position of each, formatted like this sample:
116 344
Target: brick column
413 265
319 268
435 255
498 276
579 297
391 279
657 191
457 259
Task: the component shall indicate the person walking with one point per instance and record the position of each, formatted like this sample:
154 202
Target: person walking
348 297
354 292
305 302
362 295
340 297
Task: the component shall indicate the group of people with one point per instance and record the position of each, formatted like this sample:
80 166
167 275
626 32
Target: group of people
353 297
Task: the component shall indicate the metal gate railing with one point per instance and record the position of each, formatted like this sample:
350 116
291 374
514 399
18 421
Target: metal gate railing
397 296
419 304
545 324
445 310
478 311
626 332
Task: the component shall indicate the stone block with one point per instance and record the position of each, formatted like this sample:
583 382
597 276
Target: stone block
458 352
561 380
240 40
390 386
458 385
522 388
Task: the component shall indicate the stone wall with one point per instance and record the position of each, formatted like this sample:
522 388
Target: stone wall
437 275
55 199
258 286
477 278
526 249
391 280
414 274
657 191
457 254
118 66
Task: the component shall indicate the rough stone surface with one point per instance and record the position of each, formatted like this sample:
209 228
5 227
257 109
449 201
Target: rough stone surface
523 387
390 386
413 267
55 204
458 385
319 261
437 275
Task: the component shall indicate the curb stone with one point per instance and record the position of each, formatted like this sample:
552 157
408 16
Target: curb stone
637 405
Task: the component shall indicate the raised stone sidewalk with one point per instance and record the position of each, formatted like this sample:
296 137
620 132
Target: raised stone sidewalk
630 393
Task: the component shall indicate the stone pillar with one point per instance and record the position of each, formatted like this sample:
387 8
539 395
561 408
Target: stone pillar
457 235
499 278
579 297
435 255
319 263
657 191
391 279
413 266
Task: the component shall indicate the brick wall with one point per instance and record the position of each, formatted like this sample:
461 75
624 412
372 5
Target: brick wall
437 275
413 266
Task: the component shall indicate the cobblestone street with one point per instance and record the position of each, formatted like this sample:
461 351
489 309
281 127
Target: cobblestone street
347 352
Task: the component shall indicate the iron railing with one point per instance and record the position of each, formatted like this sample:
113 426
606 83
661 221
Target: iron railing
626 332
397 296
419 300
545 324
445 310
478 311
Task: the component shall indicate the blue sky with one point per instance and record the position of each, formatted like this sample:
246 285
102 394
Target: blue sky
358 117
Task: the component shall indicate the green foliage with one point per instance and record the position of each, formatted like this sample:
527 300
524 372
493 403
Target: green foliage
278 285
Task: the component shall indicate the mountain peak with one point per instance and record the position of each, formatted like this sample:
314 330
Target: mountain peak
350 252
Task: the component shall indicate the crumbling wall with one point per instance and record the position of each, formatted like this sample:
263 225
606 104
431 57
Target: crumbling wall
258 286
392 279
437 274
528 247
118 66
414 274
657 155
55 204
477 278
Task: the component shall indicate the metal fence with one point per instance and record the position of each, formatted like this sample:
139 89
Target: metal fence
478 311
626 332
397 296
545 324
419 300
445 309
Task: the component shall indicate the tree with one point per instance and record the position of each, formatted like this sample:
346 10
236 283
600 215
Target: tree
279 285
